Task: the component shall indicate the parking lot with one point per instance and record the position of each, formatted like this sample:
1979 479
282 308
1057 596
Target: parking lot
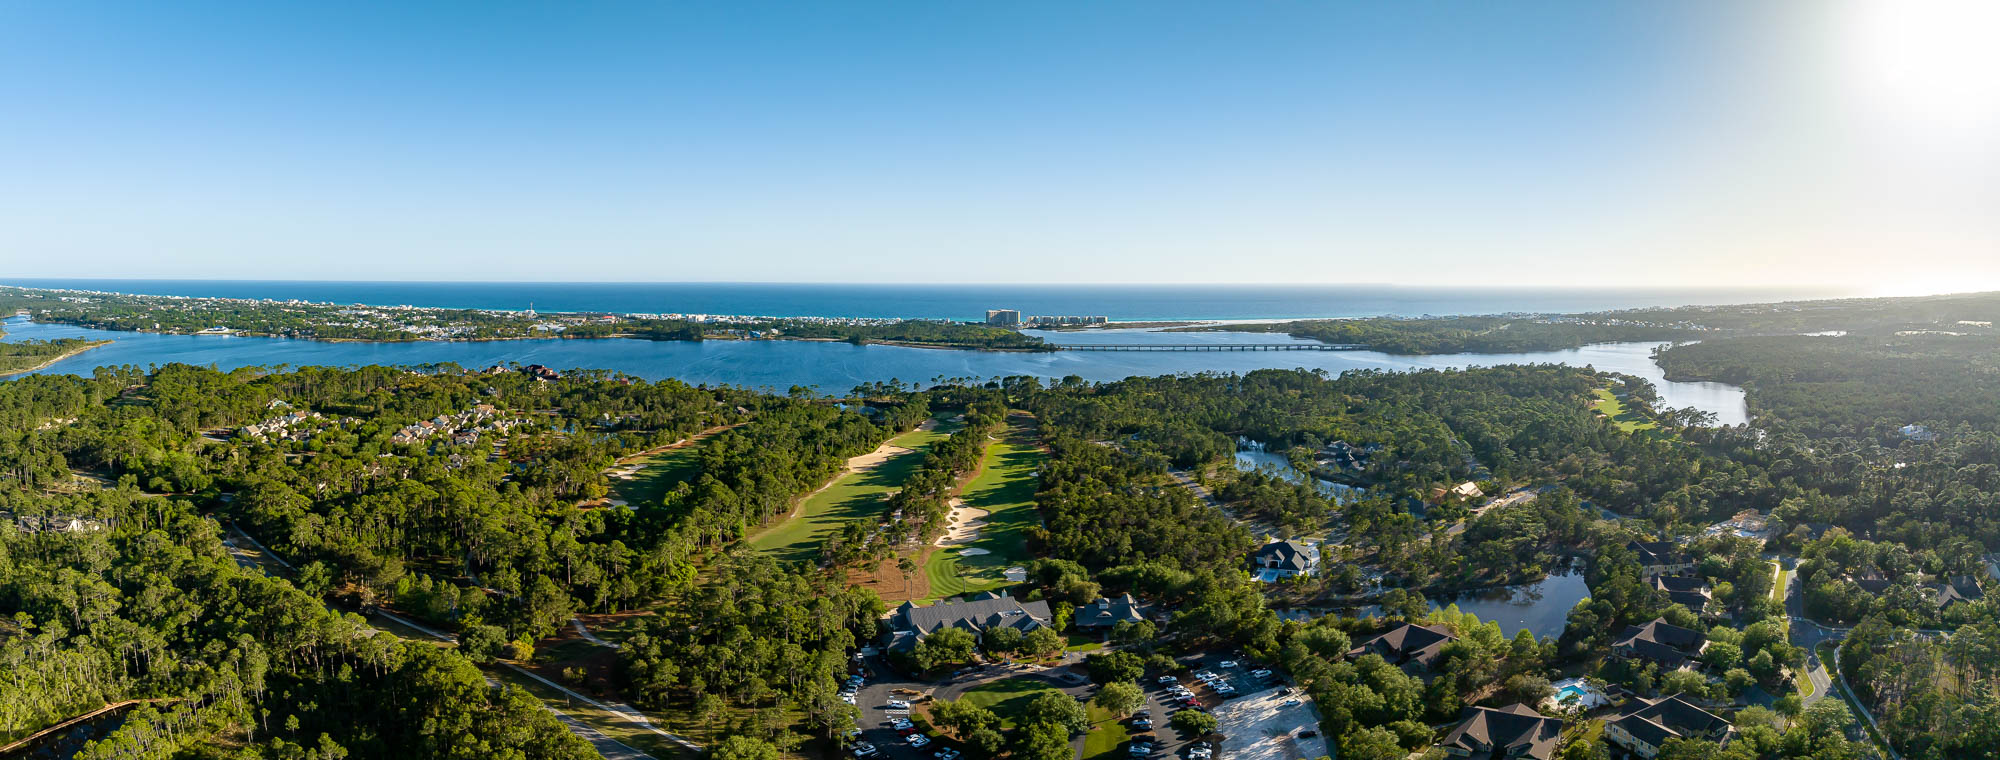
1267 725
1248 703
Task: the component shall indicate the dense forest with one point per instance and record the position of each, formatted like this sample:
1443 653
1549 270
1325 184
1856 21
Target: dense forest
477 502
25 355
107 311
1452 335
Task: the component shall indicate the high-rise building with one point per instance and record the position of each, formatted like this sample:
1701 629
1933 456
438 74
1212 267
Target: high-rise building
1003 317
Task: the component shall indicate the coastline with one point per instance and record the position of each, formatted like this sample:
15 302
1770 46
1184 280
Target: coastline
52 360
614 336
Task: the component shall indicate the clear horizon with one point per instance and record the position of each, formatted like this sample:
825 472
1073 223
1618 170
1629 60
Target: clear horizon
1850 145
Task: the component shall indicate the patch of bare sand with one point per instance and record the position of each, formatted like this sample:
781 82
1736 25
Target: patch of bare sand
963 524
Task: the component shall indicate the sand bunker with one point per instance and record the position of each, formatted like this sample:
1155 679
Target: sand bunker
874 459
969 552
965 523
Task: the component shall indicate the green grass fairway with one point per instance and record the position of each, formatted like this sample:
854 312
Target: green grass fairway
1107 735
1008 698
658 474
1613 407
855 494
1005 488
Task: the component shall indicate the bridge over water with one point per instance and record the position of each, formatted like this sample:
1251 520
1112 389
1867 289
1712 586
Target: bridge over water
1212 347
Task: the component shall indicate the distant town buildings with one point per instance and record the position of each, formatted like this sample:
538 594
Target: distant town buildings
1065 321
1013 318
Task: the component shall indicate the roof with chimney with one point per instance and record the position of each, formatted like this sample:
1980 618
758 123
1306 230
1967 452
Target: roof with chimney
1290 555
1656 553
1511 731
977 614
1654 721
1420 644
1660 640
1109 611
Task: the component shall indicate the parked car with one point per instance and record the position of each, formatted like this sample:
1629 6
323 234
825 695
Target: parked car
1227 664
864 749
1142 723
1169 679
897 704
918 740
946 754
1292 703
848 698
1308 734
1260 673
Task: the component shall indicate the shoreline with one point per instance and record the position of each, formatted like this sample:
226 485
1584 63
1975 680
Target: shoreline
52 360
616 336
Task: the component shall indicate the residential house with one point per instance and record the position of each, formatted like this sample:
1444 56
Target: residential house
1660 641
1408 644
1651 722
1284 559
1691 593
1961 590
1508 732
909 623
1107 612
1660 557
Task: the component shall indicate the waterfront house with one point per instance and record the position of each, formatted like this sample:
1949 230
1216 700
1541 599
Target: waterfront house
1408 644
1660 557
1514 731
1660 641
909 623
1645 728
1284 559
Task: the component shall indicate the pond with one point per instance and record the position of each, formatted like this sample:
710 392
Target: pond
1542 607
1251 457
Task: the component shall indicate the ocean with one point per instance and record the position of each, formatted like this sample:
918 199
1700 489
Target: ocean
1122 303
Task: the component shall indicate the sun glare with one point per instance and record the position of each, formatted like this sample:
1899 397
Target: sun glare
1928 70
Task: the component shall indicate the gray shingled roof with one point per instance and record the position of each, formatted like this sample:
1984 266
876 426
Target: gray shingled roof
1657 720
1511 731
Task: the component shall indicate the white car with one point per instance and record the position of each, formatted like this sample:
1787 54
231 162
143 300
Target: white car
848 698
1206 676
1227 664
1260 674
864 749
900 723
918 740
1169 679
897 704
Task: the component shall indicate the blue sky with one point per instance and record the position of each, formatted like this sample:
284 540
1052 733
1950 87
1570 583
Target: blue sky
1523 143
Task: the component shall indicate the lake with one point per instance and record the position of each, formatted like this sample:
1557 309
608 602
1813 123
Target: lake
837 367
1542 607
